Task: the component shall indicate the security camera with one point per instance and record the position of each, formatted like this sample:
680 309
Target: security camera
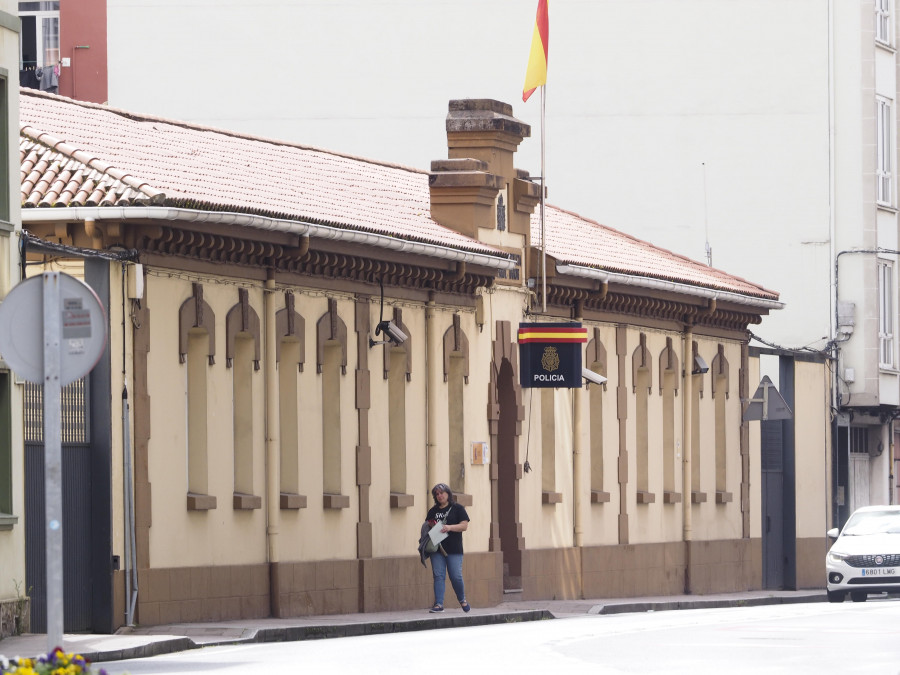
700 366
591 376
391 331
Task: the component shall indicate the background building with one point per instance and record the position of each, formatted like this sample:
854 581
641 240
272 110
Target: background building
13 588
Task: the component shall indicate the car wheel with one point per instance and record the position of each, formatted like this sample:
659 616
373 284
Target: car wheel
858 596
835 596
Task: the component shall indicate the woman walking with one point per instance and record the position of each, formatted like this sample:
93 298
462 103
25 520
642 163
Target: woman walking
448 559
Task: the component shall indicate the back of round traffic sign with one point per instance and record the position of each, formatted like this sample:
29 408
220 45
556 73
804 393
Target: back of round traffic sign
82 328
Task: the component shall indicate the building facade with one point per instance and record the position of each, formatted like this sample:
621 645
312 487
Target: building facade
272 453
13 589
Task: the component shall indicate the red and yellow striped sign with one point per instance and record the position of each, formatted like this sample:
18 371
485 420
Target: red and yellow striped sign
552 333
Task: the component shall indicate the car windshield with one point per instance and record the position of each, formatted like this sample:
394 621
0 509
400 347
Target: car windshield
873 522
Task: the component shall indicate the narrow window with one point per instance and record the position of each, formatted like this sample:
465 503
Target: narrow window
595 403
456 375
197 413
242 383
331 419
289 405
548 441
641 420
884 142
331 364
397 419
642 382
886 314
698 496
884 21
595 359
668 396
721 439
456 426
719 371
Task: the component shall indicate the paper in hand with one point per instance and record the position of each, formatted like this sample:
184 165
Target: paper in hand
435 533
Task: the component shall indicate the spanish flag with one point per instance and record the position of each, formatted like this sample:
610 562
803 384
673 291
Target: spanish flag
551 332
536 75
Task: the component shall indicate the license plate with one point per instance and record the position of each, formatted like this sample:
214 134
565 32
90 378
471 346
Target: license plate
878 571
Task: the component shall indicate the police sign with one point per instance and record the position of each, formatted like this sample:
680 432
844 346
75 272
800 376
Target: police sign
550 354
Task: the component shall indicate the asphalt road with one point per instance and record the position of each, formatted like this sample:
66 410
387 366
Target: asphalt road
806 638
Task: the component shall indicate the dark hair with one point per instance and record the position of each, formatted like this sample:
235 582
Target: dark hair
443 487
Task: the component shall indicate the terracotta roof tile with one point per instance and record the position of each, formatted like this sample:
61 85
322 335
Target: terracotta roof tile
180 164
576 240
76 153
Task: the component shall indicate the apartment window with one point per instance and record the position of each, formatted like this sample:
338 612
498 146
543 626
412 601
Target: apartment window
548 443
39 45
883 21
884 141
886 314
4 148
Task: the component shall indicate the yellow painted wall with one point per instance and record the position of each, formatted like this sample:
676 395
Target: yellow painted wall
181 538
812 444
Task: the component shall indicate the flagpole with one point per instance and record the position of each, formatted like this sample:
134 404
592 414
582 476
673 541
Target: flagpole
543 191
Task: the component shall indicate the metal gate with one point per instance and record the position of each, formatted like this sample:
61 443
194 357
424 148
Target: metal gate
773 504
858 479
76 494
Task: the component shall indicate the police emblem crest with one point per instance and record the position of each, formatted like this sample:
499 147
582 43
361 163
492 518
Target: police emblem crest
550 359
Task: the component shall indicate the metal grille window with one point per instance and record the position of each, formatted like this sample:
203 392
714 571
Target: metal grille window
883 21
73 413
886 314
885 151
859 440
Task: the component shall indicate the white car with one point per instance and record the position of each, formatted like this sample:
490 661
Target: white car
866 556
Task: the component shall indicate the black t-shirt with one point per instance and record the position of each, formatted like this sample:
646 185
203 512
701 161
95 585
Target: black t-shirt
452 514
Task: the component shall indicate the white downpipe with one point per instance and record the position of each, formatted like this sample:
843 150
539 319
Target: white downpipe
687 487
79 213
273 439
663 285
432 383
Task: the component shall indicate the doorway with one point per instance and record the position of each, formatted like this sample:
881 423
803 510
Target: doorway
508 474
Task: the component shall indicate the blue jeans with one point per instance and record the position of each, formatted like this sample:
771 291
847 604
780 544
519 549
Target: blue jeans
440 565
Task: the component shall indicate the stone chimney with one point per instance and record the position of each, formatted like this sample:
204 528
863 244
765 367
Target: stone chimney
477 192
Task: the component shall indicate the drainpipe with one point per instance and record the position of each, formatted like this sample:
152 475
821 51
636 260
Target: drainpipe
686 433
577 477
273 488
431 387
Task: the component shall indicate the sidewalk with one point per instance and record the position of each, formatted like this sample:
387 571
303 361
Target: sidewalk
140 642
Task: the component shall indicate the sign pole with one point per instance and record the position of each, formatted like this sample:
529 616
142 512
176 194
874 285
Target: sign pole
52 347
53 459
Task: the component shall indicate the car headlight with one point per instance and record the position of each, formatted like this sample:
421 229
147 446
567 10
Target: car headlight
836 556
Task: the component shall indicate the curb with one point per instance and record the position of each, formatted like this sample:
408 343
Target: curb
433 622
703 604
322 632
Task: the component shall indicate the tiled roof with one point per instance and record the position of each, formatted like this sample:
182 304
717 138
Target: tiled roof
83 154
76 153
575 240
